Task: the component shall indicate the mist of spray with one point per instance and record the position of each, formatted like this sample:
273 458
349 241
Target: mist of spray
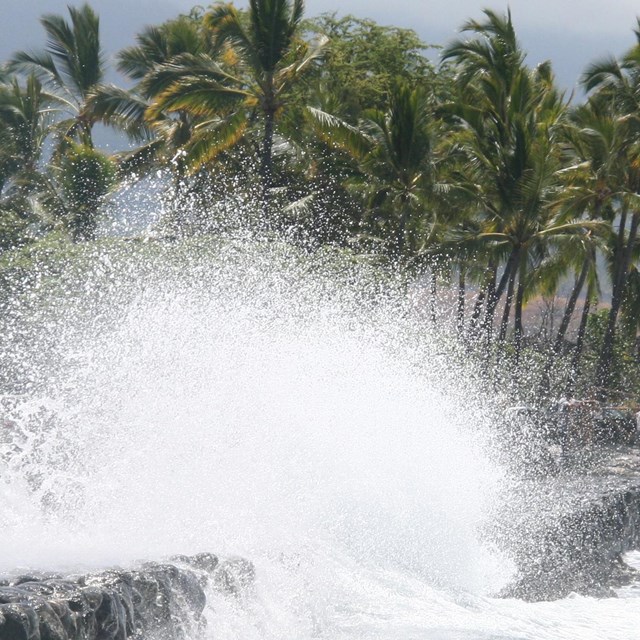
245 399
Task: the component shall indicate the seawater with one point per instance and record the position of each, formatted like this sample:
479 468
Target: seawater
299 410
372 603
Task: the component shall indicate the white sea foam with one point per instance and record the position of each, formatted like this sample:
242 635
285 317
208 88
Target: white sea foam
275 406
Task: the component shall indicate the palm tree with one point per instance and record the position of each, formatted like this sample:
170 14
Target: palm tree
70 67
74 188
156 45
613 171
506 122
261 59
488 70
25 117
592 184
393 148
86 176
161 140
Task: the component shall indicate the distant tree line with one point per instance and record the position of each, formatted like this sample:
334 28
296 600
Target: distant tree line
477 171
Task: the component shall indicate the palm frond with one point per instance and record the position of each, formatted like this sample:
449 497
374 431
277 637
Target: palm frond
198 96
121 109
211 138
39 64
336 132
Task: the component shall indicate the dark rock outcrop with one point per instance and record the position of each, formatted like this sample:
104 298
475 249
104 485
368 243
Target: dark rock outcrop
160 600
567 534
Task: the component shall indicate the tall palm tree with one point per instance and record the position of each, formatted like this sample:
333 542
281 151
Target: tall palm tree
393 148
70 67
613 171
161 140
158 44
25 117
262 57
506 120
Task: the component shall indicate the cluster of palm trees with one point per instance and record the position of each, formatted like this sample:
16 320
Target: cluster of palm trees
480 167
45 109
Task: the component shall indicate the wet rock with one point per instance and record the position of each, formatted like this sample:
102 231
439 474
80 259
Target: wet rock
68 619
111 616
567 534
19 622
168 599
49 623
234 575
205 561
163 601
35 577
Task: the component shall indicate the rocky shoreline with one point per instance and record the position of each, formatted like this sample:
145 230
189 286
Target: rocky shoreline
565 534
568 533
160 600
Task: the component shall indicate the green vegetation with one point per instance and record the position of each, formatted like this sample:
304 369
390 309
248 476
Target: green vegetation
477 172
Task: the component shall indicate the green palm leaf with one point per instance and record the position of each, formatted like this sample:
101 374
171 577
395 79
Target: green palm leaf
211 138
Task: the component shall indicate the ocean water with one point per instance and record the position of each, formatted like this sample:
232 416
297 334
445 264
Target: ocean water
370 603
296 410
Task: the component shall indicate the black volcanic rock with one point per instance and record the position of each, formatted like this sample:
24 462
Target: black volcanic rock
162 600
568 533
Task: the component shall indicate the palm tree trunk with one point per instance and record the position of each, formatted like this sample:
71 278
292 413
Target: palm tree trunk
85 223
495 295
619 247
487 325
487 289
571 305
577 354
545 380
477 310
461 299
518 331
433 291
507 306
85 132
603 369
266 160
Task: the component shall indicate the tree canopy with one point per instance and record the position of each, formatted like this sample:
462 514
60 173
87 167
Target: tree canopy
465 165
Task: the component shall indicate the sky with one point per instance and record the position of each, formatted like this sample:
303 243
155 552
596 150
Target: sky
571 33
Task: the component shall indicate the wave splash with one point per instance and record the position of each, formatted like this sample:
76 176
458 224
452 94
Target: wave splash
288 408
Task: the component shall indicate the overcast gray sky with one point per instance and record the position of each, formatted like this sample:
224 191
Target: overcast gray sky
569 32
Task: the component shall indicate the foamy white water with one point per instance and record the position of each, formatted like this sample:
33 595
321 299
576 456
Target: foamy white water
373 604
274 406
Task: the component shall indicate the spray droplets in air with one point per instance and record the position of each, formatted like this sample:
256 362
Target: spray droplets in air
242 398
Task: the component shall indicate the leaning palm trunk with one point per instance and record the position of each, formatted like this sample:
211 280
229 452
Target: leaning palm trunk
505 317
461 300
476 313
577 354
603 369
485 293
266 161
507 306
518 331
496 293
545 381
